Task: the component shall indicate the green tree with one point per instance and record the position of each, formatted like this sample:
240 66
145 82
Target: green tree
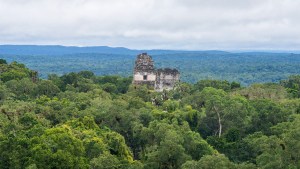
215 104
106 161
278 150
292 84
268 114
224 112
217 84
264 91
215 162
58 148
2 61
14 71
169 154
4 93
47 87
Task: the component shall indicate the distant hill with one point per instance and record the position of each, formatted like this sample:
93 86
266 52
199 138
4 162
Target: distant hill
244 67
58 50
62 50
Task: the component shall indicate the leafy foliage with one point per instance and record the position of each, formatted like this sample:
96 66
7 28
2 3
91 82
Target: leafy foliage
81 120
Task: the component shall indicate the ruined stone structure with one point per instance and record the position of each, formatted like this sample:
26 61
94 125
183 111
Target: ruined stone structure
146 74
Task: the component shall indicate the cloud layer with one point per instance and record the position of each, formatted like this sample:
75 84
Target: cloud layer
167 24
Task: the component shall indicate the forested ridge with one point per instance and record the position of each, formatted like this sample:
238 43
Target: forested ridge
81 120
245 68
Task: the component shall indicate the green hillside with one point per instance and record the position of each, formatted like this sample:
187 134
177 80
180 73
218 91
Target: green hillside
82 120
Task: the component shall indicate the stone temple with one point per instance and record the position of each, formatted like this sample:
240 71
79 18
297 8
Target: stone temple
146 74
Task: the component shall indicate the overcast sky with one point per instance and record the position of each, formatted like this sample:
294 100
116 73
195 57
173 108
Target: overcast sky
153 24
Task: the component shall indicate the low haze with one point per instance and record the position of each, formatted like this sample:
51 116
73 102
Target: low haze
148 24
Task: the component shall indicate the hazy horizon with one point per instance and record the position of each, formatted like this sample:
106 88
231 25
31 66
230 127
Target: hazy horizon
151 24
163 49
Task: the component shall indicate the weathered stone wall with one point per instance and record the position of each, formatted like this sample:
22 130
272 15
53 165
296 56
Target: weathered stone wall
166 79
144 63
145 74
139 76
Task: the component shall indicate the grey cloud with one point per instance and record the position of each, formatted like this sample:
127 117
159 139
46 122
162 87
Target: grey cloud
174 24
